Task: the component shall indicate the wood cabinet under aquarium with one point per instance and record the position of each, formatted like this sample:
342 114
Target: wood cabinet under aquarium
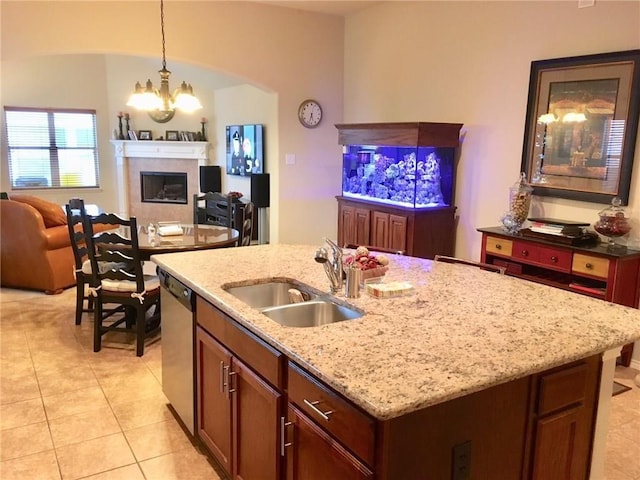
398 182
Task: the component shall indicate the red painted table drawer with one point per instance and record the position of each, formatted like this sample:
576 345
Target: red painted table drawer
550 257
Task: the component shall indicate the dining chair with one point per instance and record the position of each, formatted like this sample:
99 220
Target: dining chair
124 295
246 229
76 212
484 266
212 208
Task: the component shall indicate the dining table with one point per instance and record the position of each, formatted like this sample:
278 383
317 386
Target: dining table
193 237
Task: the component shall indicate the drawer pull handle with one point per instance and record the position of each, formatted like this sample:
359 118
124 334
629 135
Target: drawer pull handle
589 266
222 384
554 259
283 442
498 246
228 375
312 405
525 253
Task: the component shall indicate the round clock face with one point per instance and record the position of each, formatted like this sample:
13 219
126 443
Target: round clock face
310 113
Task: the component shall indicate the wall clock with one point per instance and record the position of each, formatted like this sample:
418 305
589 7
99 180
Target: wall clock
310 113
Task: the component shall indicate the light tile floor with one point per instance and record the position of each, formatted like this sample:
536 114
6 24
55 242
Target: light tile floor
69 413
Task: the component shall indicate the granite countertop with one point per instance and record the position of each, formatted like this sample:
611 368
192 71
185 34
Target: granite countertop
462 330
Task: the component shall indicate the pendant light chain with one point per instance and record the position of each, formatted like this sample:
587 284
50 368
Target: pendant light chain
164 60
161 101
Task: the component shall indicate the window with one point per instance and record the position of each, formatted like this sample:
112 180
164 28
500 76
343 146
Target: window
51 148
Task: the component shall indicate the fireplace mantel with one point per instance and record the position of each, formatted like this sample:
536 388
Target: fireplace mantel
161 149
126 150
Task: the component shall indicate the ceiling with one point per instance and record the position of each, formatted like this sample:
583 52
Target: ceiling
330 7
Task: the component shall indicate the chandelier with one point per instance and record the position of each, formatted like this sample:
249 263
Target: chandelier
161 104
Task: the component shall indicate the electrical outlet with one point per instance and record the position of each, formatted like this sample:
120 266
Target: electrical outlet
461 462
586 3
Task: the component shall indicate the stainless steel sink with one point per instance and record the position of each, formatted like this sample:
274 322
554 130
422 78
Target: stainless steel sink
269 294
310 314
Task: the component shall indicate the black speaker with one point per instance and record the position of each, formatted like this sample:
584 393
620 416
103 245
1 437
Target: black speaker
210 178
260 189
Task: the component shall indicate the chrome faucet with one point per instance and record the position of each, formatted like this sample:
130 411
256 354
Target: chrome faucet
332 265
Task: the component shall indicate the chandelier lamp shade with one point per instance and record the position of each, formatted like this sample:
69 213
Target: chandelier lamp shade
161 103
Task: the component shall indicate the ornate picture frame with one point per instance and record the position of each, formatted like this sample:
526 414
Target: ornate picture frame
581 126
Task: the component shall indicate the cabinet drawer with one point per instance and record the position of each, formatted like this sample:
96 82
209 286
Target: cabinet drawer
263 358
499 246
343 420
550 257
590 265
562 388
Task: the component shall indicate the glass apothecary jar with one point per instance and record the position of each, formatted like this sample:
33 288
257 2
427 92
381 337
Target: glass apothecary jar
519 203
613 224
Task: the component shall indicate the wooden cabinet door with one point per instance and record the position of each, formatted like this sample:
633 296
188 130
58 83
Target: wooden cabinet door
346 225
379 229
315 455
256 427
555 453
362 226
397 233
213 404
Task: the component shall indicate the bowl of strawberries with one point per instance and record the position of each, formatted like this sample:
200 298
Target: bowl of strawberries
371 265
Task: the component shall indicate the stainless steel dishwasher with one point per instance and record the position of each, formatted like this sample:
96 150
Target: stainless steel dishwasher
177 304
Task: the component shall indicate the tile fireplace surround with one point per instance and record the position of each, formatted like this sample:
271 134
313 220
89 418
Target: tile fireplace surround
133 157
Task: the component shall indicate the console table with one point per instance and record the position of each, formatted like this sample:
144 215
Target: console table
613 276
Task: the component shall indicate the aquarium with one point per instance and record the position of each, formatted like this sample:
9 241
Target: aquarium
417 177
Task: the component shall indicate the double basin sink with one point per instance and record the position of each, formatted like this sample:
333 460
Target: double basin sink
274 299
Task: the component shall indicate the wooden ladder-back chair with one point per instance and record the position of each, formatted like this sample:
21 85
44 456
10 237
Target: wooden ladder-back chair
123 293
484 266
212 208
246 229
75 215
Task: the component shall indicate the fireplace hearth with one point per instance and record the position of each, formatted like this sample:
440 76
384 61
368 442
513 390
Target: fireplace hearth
163 187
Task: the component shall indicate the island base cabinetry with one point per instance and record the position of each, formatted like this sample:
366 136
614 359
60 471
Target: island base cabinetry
263 417
238 410
416 232
313 454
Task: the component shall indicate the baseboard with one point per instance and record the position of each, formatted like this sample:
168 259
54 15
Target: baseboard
635 363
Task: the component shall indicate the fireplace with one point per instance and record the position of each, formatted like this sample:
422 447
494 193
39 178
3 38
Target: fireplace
163 187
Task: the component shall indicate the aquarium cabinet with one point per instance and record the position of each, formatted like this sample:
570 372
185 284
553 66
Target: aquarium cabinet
398 183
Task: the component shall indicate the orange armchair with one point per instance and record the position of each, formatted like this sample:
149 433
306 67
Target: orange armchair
33 255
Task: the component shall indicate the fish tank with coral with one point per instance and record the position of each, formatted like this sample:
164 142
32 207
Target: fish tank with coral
415 177
402 164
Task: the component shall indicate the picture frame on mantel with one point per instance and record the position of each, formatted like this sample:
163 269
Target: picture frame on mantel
581 126
172 135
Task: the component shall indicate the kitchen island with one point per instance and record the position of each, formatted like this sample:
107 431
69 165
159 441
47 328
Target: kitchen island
454 357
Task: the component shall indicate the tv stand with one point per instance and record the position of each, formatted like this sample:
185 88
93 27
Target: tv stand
588 270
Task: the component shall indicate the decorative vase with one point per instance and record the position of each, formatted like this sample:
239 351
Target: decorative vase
519 203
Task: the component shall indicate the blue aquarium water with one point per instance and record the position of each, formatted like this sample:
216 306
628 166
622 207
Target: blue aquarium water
417 177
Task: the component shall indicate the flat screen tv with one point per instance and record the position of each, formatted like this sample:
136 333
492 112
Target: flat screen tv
245 149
